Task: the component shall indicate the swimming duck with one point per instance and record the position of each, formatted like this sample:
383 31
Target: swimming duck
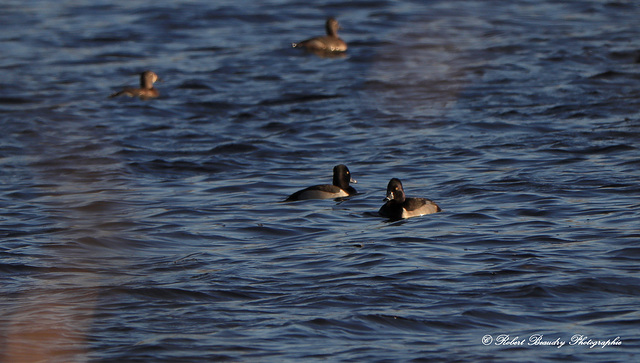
399 207
328 43
339 188
146 90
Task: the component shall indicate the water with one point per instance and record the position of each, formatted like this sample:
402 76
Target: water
152 230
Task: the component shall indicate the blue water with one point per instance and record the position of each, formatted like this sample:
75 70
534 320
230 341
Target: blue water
137 231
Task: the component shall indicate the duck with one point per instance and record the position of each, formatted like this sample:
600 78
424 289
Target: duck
146 90
398 206
327 43
339 189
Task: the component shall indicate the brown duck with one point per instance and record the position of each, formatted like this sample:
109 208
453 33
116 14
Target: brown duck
146 90
328 43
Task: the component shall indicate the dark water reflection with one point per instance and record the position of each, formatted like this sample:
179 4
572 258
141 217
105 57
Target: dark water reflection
151 231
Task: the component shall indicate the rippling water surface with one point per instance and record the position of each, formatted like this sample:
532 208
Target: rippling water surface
152 230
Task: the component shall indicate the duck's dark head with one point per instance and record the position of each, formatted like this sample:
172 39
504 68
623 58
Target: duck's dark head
342 176
395 191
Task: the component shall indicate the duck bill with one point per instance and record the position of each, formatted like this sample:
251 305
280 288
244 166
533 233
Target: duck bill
351 180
